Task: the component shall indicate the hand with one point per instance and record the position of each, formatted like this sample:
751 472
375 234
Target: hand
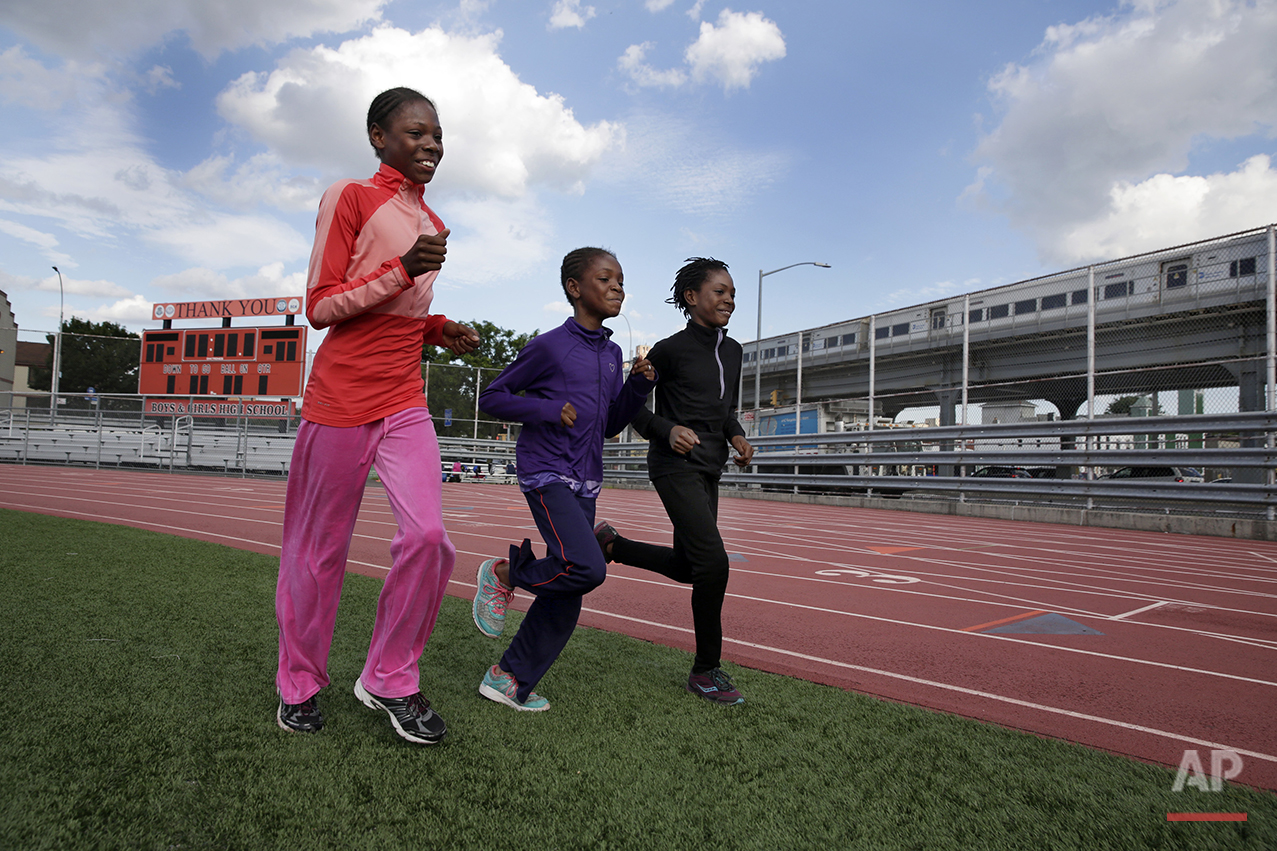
745 451
682 439
426 254
644 366
567 416
458 338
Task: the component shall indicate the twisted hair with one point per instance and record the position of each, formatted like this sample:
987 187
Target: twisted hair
575 263
385 105
692 277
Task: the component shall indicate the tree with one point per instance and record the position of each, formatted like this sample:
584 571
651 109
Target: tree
451 386
1122 406
101 355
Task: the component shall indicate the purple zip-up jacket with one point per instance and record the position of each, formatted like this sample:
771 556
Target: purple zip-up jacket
568 364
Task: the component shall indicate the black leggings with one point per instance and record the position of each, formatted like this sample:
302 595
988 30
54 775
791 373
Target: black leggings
698 557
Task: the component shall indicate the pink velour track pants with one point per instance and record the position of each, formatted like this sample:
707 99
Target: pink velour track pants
326 482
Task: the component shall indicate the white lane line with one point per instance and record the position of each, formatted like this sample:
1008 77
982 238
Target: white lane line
1138 611
959 689
982 635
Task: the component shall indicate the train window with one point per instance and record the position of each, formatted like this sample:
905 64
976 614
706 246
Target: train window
900 330
938 318
1176 274
769 353
976 315
1078 297
999 311
816 345
1238 268
1029 305
1119 290
1051 302
849 339
882 333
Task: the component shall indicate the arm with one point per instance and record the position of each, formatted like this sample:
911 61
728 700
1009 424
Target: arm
501 398
632 398
330 295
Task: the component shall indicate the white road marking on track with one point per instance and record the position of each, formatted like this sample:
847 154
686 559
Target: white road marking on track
959 689
985 635
1138 611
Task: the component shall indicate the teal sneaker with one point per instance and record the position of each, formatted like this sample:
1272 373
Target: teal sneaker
490 599
504 688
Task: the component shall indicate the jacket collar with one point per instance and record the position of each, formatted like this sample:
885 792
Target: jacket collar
390 178
576 329
708 336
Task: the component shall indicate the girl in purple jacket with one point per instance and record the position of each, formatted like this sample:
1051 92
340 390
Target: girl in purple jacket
574 395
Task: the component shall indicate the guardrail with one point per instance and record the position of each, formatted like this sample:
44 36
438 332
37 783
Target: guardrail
877 463
1076 452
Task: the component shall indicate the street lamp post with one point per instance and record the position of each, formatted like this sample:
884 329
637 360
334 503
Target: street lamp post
57 352
758 337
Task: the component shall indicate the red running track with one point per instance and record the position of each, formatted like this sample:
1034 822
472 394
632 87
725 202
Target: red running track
1180 653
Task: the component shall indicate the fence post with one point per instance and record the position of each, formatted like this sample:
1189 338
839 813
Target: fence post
1272 341
1090 372
873 353
478 379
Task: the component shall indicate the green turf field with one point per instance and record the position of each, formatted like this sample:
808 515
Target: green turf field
138 711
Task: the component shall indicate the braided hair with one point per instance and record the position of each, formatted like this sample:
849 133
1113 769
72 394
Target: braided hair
385 105
575 263
692 277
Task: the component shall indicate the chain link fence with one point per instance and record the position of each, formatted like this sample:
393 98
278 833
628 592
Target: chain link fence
1183 331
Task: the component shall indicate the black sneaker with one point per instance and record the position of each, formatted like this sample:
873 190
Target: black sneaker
301 717
606 536
411 716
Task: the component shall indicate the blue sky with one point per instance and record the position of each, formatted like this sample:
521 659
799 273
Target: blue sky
175 150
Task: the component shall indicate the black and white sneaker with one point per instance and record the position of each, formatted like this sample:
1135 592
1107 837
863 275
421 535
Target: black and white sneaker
411 716
301 717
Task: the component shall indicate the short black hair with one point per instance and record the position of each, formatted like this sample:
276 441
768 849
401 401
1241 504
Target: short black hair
575 263
692 277
385 105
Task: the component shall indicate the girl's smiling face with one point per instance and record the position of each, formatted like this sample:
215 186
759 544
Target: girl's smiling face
413 143
712 305
599 293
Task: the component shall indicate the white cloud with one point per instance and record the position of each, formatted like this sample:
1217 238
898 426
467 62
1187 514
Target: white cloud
1167 210
1098 131
202 283
31 236
76 27
263 179
558 308
631 62
731 52
133 311
493 240
695 12
29 83
500 135
700 174
226 241
658 5
570 13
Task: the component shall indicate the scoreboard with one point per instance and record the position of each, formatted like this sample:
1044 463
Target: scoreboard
223 362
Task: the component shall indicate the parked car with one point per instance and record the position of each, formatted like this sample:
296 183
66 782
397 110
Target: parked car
1001 473
1157 474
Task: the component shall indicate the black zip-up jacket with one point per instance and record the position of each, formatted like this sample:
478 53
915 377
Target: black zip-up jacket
698 374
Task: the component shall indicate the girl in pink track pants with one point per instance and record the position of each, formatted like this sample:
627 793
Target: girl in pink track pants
378 249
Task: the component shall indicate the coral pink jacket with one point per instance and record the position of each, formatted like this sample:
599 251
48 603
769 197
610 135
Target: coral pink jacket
369 364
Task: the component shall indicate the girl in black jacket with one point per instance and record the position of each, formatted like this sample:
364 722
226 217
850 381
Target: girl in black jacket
698 370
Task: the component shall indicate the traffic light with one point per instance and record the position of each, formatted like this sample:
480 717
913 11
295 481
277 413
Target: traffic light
775 398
